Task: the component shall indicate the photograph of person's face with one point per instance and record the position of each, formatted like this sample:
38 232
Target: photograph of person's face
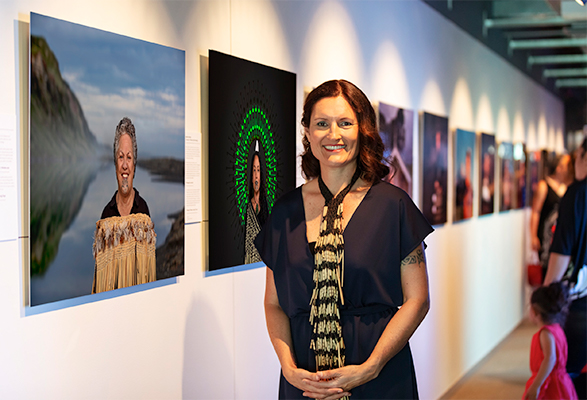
125 169
256 174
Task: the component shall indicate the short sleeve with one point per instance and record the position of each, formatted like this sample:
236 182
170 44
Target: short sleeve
414 227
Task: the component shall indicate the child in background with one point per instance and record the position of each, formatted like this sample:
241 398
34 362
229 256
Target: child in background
548 352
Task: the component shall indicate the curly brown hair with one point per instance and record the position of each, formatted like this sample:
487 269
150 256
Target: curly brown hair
370 143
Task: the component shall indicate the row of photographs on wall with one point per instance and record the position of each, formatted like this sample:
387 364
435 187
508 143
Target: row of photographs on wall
517 170
84 81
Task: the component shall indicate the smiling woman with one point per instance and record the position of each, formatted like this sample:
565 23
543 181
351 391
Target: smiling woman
124 242
346 274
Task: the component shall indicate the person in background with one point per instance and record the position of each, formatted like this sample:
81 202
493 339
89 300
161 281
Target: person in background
545 206
568 256
347 283
548 352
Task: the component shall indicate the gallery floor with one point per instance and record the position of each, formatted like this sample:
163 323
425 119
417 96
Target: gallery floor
503 373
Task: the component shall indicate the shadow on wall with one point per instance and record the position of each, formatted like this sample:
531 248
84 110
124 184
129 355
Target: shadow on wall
208 367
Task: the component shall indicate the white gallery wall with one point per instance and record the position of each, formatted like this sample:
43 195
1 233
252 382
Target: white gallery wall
203 336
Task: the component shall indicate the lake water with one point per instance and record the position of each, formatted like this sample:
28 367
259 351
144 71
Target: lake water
71 273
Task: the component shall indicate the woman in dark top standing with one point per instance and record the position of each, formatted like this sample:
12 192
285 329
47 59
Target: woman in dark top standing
333 308
545 206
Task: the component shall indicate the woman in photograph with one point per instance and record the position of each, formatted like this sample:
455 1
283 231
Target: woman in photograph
124 240
126 199
487 183
550 190
347 284
257 211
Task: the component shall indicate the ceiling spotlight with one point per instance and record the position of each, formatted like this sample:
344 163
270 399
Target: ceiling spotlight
581 2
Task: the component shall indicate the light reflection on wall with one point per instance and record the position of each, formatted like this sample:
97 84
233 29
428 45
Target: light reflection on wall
551 144
431 100
257 34
484 120
531 137
331 49
388 77
518 134
542 132
461 109
502 132
559 141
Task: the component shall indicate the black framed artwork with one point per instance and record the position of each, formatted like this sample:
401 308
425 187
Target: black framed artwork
487 152
507 177
434 158
252 151
396 127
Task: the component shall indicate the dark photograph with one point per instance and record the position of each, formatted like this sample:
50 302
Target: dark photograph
487 169
434 171
252 150
396 128
507 181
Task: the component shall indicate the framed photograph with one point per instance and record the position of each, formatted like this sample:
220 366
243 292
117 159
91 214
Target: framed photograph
252 153
520 200
464 173
434 156
507 181
396 127
487 153
535 173
107 122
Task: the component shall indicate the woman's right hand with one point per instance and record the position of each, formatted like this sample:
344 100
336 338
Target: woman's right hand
535 243
310 384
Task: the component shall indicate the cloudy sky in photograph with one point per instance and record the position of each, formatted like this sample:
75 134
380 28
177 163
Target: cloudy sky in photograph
114 76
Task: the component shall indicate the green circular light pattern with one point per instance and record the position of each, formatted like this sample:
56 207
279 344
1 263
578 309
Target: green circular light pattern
255 126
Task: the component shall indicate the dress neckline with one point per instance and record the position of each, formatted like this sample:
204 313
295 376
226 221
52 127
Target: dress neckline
348 223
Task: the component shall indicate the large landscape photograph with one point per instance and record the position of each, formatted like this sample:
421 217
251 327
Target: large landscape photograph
83 82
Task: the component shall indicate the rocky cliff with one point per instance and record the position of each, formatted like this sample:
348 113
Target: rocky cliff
58 125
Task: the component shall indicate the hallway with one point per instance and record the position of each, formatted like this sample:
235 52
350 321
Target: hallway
503 373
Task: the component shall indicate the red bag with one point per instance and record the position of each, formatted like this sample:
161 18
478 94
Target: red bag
535 274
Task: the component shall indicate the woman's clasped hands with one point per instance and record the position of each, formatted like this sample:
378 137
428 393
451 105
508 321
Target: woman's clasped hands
328 385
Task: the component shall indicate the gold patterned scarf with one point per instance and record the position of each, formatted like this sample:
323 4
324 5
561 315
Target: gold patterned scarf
327 341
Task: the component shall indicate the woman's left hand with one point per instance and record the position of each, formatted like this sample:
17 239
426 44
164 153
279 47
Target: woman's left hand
346 378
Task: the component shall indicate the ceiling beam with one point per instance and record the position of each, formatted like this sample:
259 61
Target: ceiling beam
558 59
524 22
564 72
545 44
559 83
536 34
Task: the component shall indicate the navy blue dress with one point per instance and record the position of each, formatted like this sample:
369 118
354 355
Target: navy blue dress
384 229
